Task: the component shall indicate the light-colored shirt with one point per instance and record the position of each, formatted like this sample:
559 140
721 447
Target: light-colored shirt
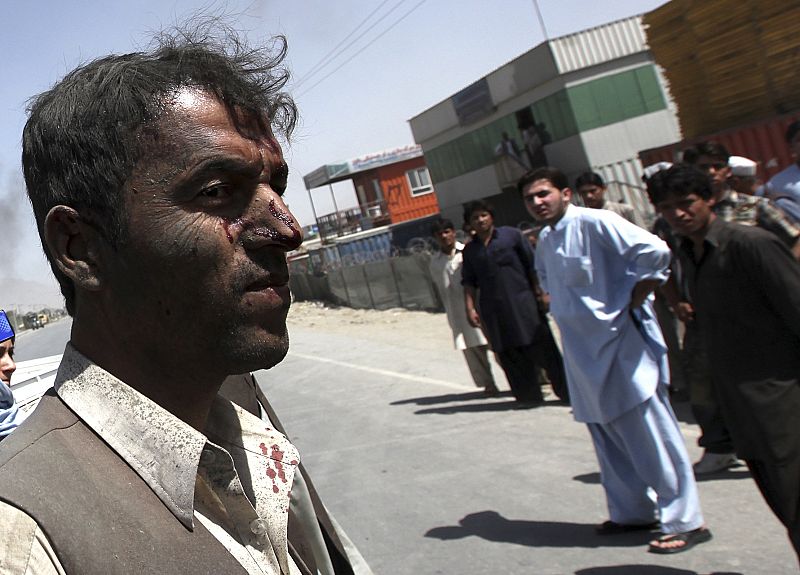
196 475
626 212
445 270
614 357
784 189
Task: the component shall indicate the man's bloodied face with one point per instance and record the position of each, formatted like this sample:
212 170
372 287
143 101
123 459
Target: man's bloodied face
201 278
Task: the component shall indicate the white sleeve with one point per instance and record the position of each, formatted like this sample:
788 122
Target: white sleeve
24 548
647 255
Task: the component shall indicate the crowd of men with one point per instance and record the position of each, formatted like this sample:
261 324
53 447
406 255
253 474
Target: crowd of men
723 260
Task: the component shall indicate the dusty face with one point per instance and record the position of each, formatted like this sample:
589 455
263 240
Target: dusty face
545 202
7 365
201 281
717 169
592 196
446 239
687 215
481 221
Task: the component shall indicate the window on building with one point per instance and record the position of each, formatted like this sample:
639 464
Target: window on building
419 181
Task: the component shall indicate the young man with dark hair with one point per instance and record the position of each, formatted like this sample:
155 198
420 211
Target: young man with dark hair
714 160
157 185
600 271
592 189
445 270
745 288
732 206
499 296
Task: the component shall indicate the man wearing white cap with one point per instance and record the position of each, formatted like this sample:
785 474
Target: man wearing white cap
751 210
743 178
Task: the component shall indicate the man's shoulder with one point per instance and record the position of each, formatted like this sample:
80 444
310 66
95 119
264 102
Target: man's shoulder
618 208
787 175
735 235
50 416
596 219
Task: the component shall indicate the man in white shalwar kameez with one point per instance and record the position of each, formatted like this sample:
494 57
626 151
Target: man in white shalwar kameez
600 271
445 271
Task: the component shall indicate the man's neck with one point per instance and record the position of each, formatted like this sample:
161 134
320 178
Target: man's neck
698 239
486 236
552 223
448 251
187 395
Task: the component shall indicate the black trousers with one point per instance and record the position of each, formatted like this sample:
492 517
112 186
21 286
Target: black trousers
706 410
521 366
780 486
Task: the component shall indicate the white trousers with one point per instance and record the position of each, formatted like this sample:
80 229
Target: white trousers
478 362
645 469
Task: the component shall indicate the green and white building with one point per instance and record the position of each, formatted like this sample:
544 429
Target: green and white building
593 99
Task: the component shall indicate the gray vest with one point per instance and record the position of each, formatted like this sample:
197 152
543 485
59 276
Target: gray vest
99 515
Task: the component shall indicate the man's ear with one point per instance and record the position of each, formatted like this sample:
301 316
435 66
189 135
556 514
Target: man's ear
567 193
74 246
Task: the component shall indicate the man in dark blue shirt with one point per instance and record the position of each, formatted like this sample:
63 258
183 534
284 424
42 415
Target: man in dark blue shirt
499 293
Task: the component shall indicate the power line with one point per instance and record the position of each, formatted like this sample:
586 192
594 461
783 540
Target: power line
370 43
321 62
352 42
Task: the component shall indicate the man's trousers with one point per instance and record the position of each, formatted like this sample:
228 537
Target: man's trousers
645 469
477 358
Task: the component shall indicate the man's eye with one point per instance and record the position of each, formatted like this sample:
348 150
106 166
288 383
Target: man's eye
216 192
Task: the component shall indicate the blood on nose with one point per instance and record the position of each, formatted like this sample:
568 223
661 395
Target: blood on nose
277 228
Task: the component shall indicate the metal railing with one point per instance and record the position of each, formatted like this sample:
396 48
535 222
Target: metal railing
344 222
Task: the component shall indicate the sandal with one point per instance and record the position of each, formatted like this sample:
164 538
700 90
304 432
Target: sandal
689 540
614 528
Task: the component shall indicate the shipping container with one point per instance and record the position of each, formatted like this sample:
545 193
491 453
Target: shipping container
762 141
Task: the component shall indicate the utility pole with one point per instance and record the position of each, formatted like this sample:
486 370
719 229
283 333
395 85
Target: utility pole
541 19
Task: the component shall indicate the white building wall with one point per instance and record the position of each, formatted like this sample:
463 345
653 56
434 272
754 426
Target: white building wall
515 85
467 187
610 143
433 122
599 44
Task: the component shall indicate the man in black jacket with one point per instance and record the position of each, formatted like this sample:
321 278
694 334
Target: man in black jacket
745 287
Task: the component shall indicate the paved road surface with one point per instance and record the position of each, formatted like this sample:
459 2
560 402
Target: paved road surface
427 477
49 340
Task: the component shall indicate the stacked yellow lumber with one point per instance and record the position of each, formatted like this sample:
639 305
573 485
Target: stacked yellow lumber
728 61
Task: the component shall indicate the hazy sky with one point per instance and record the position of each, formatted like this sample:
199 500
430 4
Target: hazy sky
427 50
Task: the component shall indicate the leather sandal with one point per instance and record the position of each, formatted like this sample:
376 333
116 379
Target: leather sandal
689 539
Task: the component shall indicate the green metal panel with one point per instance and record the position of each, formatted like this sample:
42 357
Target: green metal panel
616 98
594 104
555 112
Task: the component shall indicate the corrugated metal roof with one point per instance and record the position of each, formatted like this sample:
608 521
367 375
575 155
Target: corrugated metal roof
599 44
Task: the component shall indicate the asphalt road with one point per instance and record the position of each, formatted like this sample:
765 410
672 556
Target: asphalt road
427 477
49 340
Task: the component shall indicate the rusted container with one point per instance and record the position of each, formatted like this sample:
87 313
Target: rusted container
763 142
